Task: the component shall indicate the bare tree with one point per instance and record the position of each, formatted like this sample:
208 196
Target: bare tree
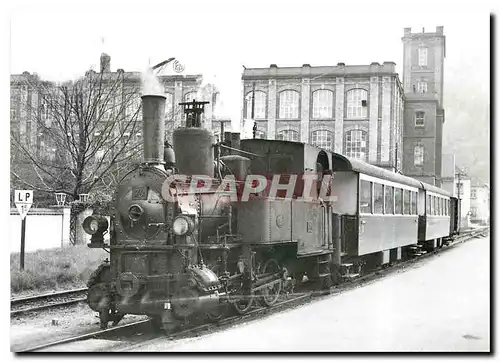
77 136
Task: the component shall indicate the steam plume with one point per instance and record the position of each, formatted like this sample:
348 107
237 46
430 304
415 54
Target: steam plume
150 83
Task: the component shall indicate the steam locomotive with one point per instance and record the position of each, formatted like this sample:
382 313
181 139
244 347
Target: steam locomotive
205 226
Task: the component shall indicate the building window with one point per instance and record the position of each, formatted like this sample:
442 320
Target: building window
288 135
418 155
323 104
473 211
355 144
289 104
169 104
422 87
260 135
473 193
188 97
357 103
422 57
259 105
322 139
419 119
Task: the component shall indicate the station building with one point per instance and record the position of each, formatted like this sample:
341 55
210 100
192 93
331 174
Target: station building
479 203
356 110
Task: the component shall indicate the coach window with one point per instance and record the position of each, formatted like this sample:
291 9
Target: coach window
389 200
434 205
429 205
414 203
365 197
398 201
378 199
406 202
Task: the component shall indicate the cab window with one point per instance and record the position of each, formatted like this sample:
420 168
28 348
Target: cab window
398 201
389 200
406 202
365 197
378 199
414 203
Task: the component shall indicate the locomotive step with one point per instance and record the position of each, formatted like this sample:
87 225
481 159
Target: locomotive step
324 275
350 276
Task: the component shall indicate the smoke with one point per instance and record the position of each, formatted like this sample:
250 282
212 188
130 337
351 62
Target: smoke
150 83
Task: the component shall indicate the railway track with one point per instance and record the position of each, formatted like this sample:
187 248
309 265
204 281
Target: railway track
35 303
287 302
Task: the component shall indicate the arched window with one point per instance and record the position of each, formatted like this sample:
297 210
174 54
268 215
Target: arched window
260 105
418 155
357 103
289 104
188 97
323 104
288 135
322 139
169 106
355 144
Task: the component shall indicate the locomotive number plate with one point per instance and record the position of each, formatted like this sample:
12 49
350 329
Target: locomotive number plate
139 193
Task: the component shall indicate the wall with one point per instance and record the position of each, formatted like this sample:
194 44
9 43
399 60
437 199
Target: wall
45 229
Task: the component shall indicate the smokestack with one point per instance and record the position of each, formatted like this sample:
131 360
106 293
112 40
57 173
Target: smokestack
153 111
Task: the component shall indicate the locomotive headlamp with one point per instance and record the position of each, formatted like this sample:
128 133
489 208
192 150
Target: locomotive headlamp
183 225
95 224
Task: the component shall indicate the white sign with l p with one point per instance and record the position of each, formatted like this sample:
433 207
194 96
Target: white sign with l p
23 200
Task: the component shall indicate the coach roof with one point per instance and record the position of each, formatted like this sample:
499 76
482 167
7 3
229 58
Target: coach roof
344 163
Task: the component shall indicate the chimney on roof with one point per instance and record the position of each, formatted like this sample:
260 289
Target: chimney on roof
105 63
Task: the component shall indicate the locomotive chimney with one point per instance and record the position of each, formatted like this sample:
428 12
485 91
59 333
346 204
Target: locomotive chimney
153 111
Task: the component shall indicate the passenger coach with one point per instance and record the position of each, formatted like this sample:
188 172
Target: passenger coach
380 208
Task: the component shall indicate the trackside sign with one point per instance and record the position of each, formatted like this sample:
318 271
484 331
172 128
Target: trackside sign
23 200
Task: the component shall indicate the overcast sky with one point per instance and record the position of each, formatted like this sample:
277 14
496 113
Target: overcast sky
217 38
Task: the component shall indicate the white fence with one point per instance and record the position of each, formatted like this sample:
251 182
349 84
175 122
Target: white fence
45 229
